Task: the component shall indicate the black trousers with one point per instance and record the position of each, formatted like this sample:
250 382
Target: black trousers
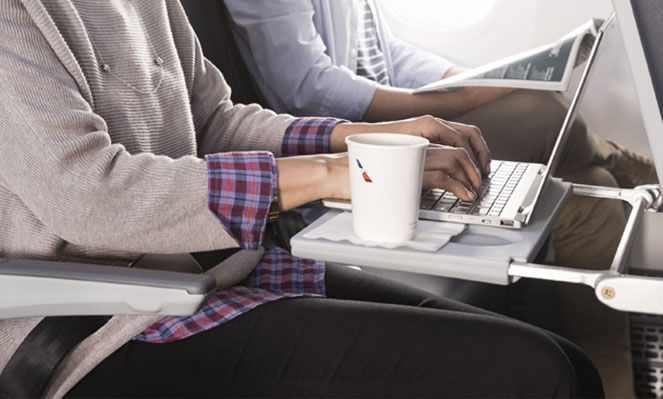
370 338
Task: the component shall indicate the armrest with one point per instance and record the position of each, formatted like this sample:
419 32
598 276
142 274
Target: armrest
50 288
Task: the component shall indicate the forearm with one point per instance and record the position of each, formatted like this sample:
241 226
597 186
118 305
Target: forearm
310 178
412 126
390 103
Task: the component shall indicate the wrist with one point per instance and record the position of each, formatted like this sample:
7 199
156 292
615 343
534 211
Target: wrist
473 97
301 180
341 131
337 179
338 135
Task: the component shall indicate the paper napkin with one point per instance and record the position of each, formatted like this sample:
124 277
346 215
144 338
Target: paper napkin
429 236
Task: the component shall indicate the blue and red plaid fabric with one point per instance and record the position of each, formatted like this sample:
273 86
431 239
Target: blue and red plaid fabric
241 186
278 275
308 136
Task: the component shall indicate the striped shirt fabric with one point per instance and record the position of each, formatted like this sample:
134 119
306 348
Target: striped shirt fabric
371 63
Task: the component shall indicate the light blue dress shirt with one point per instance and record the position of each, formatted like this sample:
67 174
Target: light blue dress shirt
303 55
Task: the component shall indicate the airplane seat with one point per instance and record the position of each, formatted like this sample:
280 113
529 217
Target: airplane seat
211 22
31 289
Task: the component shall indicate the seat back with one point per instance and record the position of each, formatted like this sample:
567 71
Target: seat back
212 24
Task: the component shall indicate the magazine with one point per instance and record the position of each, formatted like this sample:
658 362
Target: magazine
547 67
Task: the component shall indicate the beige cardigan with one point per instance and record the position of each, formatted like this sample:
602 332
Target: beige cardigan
105 162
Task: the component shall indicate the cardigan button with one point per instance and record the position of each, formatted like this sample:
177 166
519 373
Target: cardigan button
158 61
106 68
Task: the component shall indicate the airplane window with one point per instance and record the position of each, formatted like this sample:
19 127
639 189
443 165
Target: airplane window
445 14
451 22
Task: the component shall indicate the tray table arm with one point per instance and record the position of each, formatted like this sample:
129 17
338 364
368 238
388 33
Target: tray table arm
612 287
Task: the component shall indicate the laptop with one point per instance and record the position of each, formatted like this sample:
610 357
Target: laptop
510 193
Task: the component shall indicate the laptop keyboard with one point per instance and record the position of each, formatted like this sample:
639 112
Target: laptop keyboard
496 189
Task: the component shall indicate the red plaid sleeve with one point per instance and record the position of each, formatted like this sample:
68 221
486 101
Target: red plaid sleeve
307 136
241 186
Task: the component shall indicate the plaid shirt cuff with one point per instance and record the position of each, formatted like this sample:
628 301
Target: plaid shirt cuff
278 275
241 186
308 136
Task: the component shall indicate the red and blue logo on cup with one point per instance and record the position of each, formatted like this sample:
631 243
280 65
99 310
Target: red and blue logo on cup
363 173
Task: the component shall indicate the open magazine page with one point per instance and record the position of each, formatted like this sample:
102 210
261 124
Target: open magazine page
547 67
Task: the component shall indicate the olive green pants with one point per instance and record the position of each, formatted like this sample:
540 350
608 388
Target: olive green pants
523 126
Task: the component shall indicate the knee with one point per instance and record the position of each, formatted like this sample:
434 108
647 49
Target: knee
526 119
594 175
588 230
592 218
543 367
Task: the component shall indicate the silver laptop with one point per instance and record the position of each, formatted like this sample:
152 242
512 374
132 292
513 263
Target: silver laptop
504 193
511 191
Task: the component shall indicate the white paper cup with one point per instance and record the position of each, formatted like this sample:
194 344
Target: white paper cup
385 184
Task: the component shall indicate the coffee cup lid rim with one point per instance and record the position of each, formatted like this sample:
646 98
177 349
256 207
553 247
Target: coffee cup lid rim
414 141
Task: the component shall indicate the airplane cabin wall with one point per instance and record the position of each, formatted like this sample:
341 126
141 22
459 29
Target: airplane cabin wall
610 105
